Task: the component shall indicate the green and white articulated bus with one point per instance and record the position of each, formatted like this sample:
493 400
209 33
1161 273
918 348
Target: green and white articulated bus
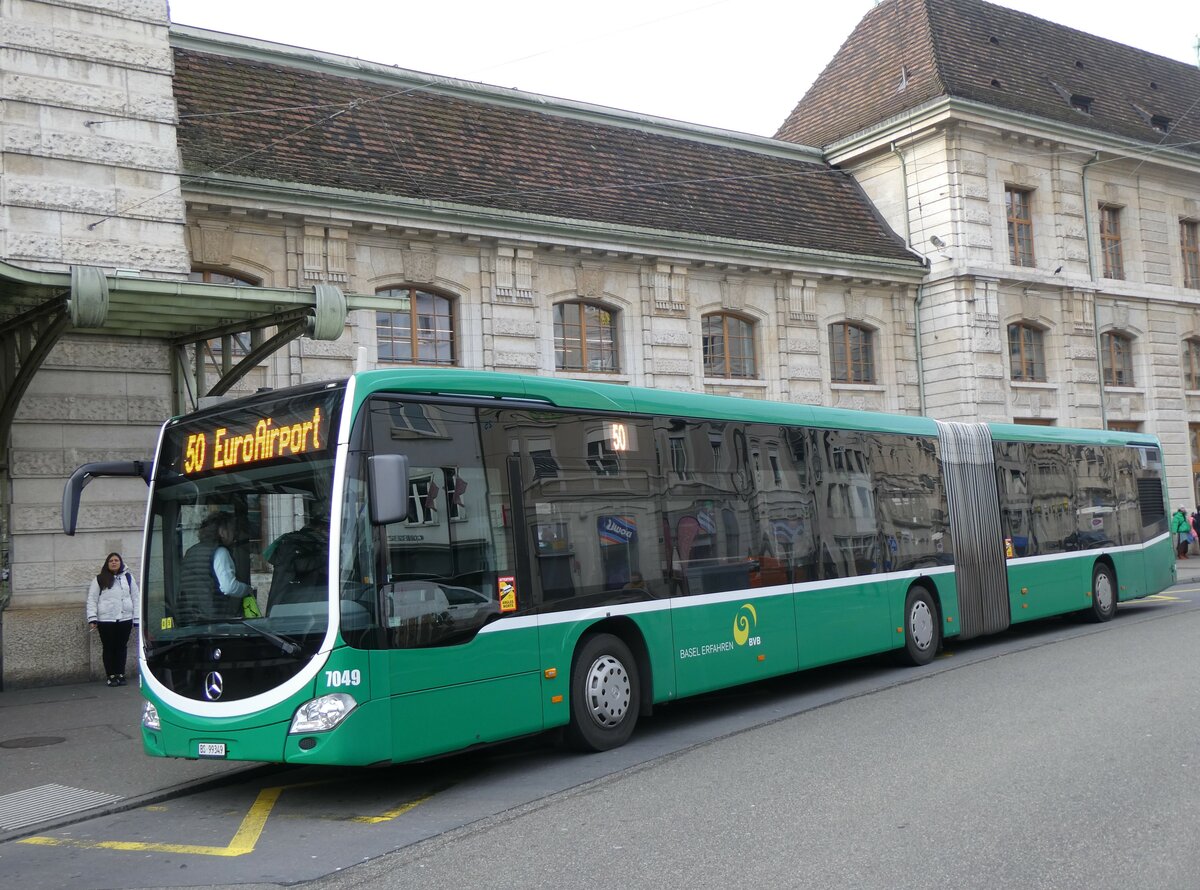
442 559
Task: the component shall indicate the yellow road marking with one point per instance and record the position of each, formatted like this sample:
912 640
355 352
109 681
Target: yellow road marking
244 840
1162 597
392 814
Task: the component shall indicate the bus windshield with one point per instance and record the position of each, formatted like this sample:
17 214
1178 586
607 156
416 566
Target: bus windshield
238 548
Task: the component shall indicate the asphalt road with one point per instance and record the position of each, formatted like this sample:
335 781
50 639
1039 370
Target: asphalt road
1060 755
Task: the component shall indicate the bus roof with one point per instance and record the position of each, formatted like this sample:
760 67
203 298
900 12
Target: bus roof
586 395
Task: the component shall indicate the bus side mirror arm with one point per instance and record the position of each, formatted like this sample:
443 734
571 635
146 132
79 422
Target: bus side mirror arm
387 476
86 473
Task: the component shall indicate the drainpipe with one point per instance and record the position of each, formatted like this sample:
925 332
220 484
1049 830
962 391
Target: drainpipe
920 287
1087 228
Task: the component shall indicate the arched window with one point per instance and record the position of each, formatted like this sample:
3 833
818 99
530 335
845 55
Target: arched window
419 331
851 353
239 343
585 338
1191 363
728 346
1116 352
1026 352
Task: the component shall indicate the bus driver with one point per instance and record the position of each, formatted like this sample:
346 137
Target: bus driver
209 589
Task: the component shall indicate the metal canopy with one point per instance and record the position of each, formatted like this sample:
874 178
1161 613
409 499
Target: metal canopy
37 308
154 307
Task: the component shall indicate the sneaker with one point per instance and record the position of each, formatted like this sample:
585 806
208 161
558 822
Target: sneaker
112 680
120 679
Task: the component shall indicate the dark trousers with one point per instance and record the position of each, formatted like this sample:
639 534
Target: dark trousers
114 639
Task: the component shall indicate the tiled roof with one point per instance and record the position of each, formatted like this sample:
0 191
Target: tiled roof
985 53
444 147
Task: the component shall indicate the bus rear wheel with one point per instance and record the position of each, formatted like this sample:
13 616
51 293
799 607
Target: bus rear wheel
1104 594
922 628
605 694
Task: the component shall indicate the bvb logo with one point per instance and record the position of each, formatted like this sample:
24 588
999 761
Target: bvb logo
743 622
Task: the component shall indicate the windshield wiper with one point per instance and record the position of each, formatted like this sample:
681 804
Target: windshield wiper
288 647
155 651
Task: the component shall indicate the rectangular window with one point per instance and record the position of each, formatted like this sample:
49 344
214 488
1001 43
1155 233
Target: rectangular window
1189 240
851 354
1194 441
1110 241
1117 359
1027 356
1020 225
1191 364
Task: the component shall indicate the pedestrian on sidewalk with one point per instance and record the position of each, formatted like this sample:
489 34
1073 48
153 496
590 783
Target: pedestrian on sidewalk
111 612
1181 529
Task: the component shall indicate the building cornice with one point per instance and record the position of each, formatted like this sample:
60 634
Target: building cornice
946 109
349 207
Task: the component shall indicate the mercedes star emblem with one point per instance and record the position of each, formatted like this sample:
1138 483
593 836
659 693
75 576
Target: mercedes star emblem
213 685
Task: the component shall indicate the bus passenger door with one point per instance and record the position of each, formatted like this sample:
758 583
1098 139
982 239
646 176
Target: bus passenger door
460 634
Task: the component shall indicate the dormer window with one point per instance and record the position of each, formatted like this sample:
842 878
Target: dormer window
1160 123
1081 103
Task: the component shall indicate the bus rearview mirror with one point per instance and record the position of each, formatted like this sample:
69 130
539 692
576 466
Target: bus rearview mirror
388 481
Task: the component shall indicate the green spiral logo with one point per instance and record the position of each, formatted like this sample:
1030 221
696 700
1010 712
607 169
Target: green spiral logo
743 622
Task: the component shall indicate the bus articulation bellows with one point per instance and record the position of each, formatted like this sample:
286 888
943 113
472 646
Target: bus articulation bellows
441 559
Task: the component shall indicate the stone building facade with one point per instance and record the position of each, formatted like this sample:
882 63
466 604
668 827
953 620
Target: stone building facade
1052 180
508 231
998 222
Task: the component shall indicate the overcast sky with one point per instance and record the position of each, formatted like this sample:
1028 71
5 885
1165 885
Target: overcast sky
737 64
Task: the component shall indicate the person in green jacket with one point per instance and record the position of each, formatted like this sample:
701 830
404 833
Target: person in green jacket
1181 529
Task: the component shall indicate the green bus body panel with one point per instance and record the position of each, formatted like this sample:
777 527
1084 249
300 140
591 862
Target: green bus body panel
1160 569
489 655
945 586
361 739
180 736
735 641
838 623
450 718
1042 588
477 692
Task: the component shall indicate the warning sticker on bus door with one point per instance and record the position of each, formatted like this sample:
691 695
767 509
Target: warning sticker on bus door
507 588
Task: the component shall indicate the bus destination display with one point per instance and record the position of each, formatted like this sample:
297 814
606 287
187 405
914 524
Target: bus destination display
225 444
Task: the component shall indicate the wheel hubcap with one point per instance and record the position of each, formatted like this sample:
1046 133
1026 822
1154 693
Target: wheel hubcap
1103 592
920 625
608 692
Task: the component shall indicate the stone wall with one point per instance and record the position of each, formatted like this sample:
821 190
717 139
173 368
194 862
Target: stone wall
954 176
90 173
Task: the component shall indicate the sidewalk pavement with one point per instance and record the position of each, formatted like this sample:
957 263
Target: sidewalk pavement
1188 570
69 753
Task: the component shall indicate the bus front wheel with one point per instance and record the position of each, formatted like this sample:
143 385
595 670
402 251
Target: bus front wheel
1104 593
605 694
922 628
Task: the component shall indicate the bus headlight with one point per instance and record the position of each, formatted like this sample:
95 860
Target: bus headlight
150 717
322 714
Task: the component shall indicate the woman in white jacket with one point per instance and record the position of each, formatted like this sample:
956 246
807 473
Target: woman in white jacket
111 610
